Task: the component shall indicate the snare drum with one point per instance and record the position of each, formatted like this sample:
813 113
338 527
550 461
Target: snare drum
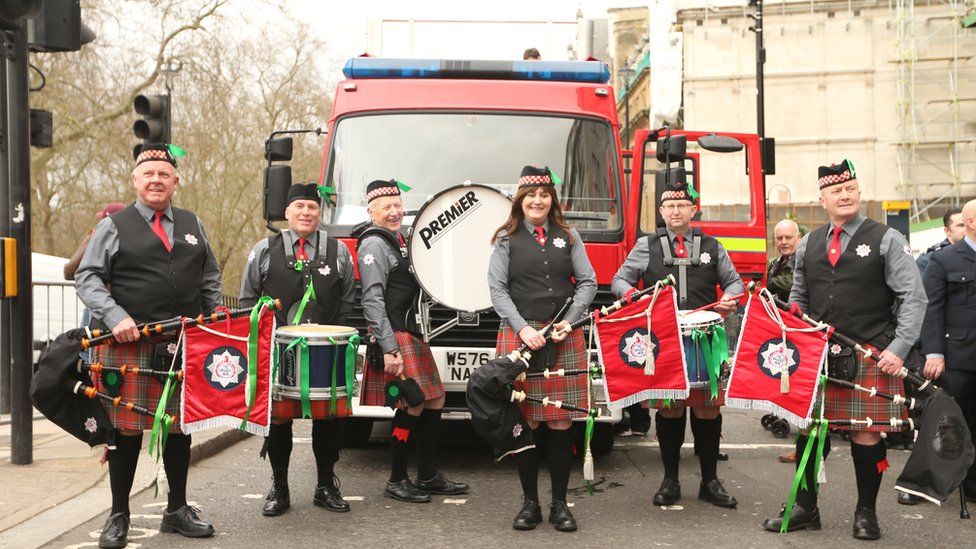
324 358
705 323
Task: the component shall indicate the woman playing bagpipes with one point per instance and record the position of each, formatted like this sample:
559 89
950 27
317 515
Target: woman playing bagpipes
859 276
537 263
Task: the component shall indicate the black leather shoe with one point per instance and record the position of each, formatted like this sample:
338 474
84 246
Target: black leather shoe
905 498
115 533
279 499
330 498
404 490
669 493
713 492
560 517
185 521
800 519
529 516
722 456
866 524
442 486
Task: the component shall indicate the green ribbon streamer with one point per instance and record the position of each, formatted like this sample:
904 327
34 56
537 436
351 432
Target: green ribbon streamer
161 420
302 344
178 151
252 354
333 400
818 430
403 186
587 437
713 360
306 297
299 265
555 178
326 192
352 350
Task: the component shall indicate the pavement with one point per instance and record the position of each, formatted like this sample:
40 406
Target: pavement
229 488
66 485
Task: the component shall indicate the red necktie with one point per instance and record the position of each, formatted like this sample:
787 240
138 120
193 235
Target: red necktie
679 249
300 254
540 235
833 250
160 232
403 243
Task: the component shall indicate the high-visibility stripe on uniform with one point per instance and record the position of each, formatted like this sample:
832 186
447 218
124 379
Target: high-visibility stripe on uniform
741 244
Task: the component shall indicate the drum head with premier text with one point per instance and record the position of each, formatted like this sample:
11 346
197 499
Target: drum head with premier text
450 244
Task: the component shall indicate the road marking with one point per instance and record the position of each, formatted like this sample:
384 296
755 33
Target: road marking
455 501
252 496
302 440
671 507
915 516
137 516
724 446
353 498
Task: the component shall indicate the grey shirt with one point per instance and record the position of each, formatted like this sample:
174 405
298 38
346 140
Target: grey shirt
633 269
501 300
95 270
376 260
259 261
901 275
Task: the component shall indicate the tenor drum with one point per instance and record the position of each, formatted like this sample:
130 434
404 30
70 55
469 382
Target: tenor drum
450 244
326 348
694 327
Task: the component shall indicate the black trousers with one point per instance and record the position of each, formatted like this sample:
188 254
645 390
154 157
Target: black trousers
961 384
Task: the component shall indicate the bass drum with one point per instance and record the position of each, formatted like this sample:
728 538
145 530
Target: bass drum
450 244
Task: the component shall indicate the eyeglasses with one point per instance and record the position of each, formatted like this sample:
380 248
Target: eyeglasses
677 207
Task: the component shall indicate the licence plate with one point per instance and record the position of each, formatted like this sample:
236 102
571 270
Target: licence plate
457 364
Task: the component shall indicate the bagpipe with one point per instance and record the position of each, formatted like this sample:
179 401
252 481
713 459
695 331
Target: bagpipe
62 387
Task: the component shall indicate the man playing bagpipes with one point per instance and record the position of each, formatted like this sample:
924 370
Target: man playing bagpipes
303 261
859 276
148 262
538 262
699 264
389 292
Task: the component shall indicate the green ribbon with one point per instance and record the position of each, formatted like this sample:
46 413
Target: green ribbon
713 363
252 354
306 297
403 186
555 178
333 400
818 430
299 265
326 192
178 151
587 437
302 344
161 420
352 350
692 192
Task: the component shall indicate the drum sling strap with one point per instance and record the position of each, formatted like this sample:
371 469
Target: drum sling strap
321 254
681 262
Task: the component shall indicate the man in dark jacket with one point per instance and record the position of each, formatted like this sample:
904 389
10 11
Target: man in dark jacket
954 229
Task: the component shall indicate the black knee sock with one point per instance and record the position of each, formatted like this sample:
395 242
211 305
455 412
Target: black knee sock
807 498
527 462
707 433
176 462
279 445
560 461
869 465
403 425
427 432
122 463
670 436
325 446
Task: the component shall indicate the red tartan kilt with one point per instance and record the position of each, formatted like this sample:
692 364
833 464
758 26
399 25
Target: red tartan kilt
418 364
321 409
697 398
141 390
847 404
569 389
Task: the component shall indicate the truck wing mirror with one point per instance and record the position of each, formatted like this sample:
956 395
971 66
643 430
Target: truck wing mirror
277 181
278 149
720 143
672 148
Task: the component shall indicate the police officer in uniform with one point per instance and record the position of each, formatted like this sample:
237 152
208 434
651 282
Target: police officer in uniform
389 292
537 263
699 263
859 276
284 266
150 261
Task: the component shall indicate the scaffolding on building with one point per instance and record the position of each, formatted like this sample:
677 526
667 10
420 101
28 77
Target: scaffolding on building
934 164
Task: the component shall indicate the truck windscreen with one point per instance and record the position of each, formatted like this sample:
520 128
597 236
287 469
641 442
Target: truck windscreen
433 151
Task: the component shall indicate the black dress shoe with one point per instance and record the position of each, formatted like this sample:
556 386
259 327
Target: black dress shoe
529 516
185 521
279 499
713 492
800 519
330 498
442 486
560 517
905 498
115 533
866 524
669 493
404 490
722 456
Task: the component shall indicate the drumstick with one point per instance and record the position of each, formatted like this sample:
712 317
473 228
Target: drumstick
711 306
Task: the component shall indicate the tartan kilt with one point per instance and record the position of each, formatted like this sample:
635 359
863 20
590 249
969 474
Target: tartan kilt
697 398
141 390
847 404
569 389
321 409
418 364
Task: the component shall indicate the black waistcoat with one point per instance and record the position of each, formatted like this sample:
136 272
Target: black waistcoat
702 274
288 284
149 282
853 295
402 287
540 277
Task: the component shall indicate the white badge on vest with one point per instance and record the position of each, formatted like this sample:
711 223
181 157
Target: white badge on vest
190 239
863 250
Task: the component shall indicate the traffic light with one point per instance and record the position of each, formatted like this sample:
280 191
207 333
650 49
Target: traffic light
154 126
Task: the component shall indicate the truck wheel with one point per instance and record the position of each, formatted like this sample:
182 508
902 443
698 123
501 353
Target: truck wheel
602 442
356 431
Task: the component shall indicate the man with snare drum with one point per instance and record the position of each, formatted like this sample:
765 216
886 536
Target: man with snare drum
286 266
699 263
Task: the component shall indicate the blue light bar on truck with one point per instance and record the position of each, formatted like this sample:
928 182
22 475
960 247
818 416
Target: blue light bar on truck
565 71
